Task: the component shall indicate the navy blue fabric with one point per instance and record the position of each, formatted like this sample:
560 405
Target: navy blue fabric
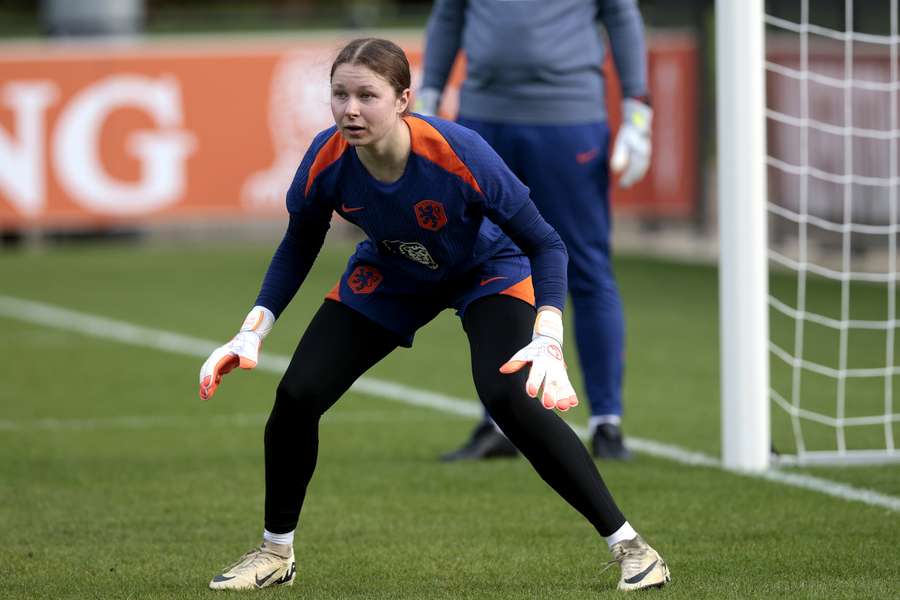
402 305
565 167
291 263
433 225
546 251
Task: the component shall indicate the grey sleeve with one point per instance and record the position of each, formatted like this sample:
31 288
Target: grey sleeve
443 37
625 28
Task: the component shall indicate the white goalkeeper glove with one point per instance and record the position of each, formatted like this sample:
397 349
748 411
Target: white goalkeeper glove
548 369
242 351
427 101
631 151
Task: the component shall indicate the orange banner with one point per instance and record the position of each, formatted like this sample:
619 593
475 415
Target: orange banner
94 135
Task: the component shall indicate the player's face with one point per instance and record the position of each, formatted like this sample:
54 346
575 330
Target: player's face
364 105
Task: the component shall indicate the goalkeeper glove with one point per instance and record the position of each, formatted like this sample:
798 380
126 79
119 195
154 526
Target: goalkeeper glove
242 351
631 151
427 102
548 370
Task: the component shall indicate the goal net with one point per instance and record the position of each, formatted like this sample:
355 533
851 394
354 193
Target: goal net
831 227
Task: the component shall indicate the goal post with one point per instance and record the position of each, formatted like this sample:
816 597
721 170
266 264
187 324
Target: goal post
808 115
743 268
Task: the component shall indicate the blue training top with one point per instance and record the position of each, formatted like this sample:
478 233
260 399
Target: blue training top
535 61
456 206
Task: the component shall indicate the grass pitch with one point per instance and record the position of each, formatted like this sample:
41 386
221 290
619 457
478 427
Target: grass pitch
117 482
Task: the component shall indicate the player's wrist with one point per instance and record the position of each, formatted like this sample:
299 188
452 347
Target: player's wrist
643 99
548 323
637 114
259 321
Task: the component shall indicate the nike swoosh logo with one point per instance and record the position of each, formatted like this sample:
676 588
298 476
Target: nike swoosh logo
642 574
260 582
487 281
350 209
586 157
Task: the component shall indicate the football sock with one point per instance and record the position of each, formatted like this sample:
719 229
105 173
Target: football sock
597 420
285 539
625 532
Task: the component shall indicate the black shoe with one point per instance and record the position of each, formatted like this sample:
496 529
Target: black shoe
607 443
486 442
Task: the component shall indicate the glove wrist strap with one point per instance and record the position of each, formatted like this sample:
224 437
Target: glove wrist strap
637 114
549 324
260 320
427 101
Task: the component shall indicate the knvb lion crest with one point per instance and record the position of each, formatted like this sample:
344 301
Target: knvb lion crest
364 279
412 250
430 214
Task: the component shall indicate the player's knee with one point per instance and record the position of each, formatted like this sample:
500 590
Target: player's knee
498 393
300 400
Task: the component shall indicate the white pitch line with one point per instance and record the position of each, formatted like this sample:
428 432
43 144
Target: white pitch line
167 341
191 421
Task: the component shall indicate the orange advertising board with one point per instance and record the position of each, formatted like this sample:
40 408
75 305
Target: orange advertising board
95 134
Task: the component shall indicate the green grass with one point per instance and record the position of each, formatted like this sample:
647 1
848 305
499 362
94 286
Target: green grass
153 511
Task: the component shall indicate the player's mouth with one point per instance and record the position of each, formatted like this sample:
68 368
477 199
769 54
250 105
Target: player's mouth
354 129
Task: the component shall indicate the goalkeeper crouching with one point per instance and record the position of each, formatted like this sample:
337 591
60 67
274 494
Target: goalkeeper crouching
448 226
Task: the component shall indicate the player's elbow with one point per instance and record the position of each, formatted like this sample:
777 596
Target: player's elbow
554 243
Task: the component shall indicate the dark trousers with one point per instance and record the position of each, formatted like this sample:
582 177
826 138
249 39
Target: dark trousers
341 344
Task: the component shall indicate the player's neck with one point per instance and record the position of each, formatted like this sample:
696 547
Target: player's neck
385 160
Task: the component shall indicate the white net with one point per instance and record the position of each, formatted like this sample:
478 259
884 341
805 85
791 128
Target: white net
832 157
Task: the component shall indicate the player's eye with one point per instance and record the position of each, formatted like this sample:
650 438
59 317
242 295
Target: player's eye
339 94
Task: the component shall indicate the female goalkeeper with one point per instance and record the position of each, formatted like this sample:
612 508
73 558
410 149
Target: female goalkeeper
447 226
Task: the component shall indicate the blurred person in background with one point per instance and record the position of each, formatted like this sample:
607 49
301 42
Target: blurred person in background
535 92
448 226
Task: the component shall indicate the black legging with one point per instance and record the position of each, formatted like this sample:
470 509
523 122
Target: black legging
341 344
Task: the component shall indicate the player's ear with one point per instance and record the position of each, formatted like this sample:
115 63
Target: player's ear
403 101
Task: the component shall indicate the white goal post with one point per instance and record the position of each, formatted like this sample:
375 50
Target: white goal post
743 287
809 220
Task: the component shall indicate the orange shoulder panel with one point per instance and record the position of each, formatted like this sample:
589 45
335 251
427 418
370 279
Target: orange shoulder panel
335 293
328 153
429 143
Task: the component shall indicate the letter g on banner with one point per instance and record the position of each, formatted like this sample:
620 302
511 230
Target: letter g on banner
162 153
